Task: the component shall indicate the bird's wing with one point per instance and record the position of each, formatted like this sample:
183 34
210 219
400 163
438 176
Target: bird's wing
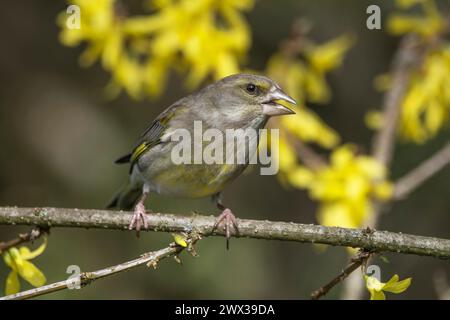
151 136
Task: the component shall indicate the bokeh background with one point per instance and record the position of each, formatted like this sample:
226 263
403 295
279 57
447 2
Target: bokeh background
59 138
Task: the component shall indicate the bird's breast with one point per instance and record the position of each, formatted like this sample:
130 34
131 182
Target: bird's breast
204 173
194 180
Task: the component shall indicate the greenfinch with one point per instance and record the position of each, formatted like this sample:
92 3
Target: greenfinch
239 101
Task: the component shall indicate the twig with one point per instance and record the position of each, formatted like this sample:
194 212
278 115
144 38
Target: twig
441 285
203 225
22 238
308 156
407 59
416 177
150 259
290 48
297 39
355 264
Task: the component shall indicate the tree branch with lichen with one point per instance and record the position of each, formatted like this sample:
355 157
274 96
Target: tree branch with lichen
377 241
408 57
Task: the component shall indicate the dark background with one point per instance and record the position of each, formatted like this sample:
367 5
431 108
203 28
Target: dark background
59 138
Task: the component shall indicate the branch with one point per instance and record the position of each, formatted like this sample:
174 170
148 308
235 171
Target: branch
307 154
377 241
22 238
406 60
355 264
150 259
416 177
291 48
441 285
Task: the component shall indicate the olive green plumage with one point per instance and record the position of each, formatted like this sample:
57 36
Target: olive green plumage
236 102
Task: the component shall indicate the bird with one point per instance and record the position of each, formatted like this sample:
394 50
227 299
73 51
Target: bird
240 101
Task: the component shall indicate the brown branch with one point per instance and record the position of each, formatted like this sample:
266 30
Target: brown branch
378 241
22 238
408 57
150 259
355 263
293 45
407 60
291 48
416 177
308 156
441 285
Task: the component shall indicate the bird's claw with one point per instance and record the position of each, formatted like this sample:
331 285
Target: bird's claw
139 219
230 222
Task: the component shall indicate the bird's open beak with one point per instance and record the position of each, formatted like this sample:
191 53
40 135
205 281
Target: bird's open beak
271 108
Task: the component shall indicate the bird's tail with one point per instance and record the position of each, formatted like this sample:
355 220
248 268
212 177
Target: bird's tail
126 198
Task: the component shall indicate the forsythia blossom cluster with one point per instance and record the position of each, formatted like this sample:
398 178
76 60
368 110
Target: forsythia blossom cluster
305 81
426 105
427 25
345 187
306 78
202 38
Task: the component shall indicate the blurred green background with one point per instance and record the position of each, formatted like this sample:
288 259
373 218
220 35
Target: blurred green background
59 139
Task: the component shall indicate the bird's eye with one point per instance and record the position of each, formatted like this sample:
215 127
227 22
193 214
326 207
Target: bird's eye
251 88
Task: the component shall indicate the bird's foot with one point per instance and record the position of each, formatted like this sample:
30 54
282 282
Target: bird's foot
139 219
228 219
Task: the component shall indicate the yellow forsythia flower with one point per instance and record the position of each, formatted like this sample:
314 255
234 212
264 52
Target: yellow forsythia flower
305 80
345 188
426 106
306 83
324 58
405 4
376 287
308 127
329 56
426 25
300 177
18 261
201 38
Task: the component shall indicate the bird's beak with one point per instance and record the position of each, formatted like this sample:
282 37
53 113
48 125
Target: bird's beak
271 108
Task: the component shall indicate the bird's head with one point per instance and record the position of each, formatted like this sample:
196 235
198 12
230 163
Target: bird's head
242 97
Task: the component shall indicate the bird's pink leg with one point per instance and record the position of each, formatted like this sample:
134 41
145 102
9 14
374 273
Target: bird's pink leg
228 219
139 217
